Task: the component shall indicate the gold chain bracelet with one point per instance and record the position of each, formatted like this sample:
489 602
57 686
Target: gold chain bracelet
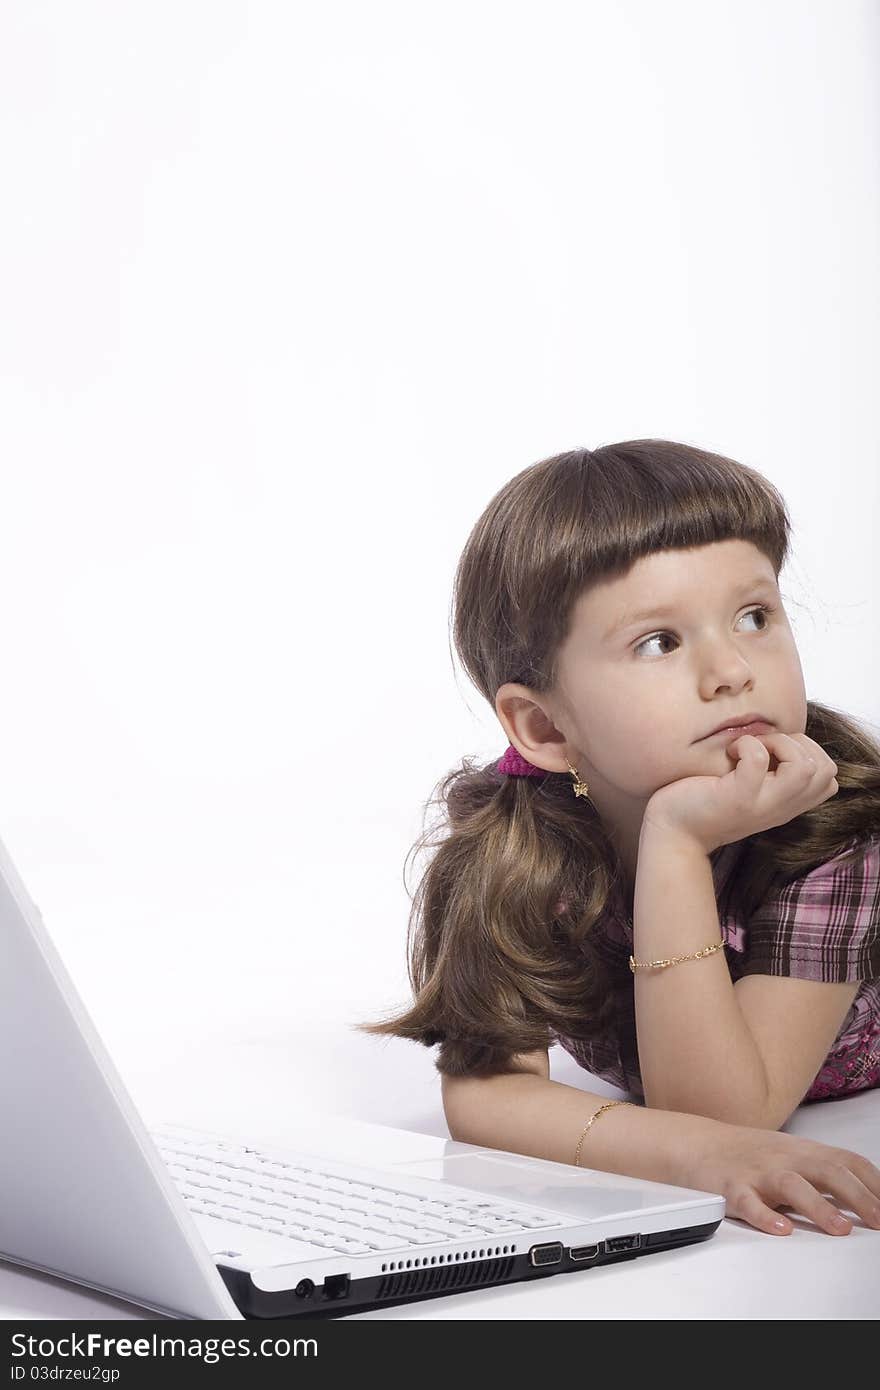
594 1116
635 965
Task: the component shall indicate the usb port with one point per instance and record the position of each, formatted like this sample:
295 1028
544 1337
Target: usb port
614 1247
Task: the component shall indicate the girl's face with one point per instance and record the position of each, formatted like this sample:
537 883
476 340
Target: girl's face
653 662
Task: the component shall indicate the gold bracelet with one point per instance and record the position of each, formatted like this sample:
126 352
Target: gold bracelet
635 965
594 1116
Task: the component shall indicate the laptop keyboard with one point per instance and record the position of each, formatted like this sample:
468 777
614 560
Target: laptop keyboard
278 1192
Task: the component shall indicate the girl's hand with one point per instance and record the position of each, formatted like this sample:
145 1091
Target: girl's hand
758 1171
716 811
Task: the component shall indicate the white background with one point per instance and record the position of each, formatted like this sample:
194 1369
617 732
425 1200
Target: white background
288 292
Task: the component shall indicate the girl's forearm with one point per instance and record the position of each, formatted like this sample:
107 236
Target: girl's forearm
530 1114
696 1052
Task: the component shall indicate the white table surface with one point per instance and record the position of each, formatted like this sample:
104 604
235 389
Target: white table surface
281 1083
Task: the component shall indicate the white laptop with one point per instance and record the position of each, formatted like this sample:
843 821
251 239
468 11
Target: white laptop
193 1224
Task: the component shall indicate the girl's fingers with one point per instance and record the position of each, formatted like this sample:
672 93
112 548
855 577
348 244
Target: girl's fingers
868 1175
748 1205
785 748
752 760
788 748
793 1190
792 758
858 1194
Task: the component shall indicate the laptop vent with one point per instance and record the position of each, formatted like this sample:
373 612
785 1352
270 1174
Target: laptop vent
439 1277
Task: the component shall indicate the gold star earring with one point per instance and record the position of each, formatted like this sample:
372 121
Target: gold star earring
580 788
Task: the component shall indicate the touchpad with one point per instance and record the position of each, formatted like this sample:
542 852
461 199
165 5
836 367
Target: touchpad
583 1193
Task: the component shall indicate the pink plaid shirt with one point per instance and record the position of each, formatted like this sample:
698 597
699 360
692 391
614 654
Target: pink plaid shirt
822 926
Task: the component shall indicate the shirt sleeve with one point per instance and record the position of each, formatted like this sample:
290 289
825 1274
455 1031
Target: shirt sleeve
823 926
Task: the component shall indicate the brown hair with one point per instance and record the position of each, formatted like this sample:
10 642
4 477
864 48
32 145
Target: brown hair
495 970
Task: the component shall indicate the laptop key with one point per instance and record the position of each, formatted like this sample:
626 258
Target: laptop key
377 1242
412 1203
449 1228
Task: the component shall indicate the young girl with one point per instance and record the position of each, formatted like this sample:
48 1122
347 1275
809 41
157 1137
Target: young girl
674 869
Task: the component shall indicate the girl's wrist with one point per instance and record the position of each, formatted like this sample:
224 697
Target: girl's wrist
668 1146
672 837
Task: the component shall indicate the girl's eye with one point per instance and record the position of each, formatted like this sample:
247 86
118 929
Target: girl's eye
763 608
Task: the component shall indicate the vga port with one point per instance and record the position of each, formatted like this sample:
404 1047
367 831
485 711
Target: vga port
549 1254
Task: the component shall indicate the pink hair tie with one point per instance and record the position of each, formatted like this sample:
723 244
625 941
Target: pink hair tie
515 765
